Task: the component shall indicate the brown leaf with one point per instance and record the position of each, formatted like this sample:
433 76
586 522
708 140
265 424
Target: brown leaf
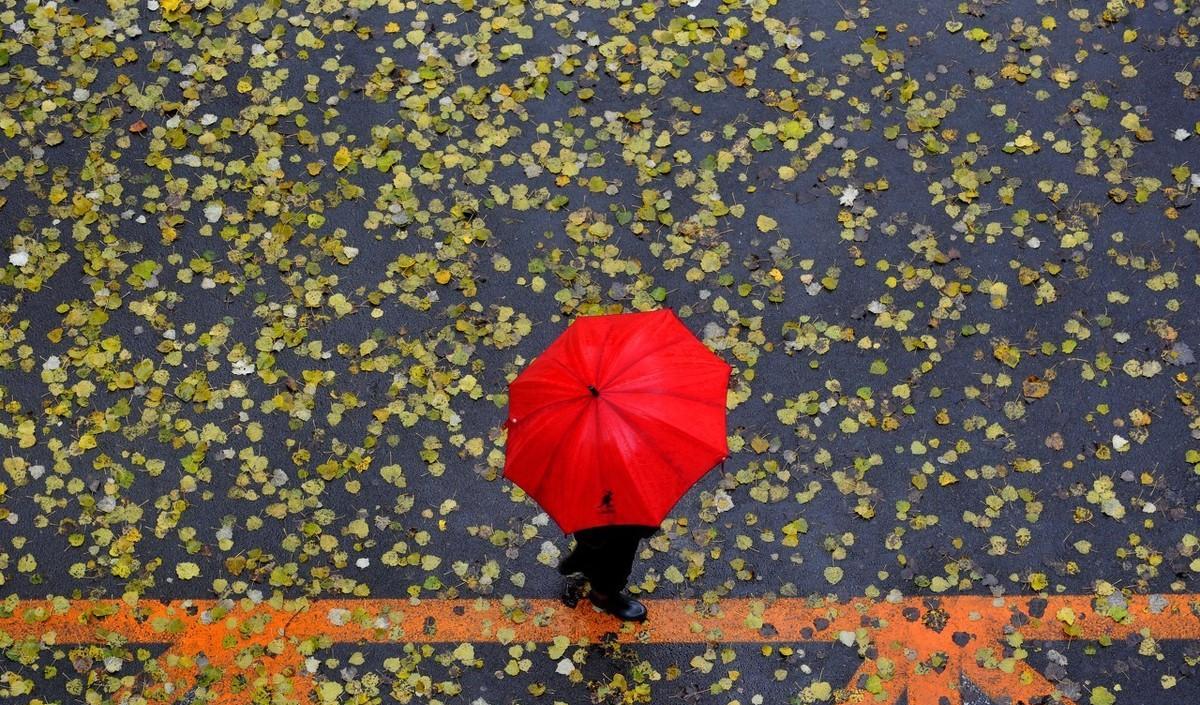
1035 387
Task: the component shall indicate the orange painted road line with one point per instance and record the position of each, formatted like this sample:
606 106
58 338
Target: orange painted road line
922 646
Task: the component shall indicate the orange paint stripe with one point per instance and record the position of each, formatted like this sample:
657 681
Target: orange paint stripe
539 620
951 632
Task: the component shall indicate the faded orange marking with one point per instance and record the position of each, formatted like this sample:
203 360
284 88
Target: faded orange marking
920 646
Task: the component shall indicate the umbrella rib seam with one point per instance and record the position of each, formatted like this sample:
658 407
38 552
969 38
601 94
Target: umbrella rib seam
554 456
679 474
549 405
600 357
568 369
641 357
716 405
596 436
681 432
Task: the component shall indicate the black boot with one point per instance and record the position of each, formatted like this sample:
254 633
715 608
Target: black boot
573 591
620 605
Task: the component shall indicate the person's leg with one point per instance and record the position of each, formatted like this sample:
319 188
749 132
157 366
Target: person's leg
574 561
588 556
611 551
590 545
613 562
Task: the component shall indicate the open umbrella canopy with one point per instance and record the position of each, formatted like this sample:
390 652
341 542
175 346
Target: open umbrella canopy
616 420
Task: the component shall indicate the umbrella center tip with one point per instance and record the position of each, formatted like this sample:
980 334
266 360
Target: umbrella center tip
592 388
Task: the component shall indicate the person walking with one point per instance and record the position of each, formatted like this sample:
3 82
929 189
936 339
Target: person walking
604 555
607 429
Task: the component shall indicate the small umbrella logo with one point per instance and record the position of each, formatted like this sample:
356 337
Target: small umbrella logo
606 503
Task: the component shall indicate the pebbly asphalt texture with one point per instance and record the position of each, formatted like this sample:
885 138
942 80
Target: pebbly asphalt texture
872 521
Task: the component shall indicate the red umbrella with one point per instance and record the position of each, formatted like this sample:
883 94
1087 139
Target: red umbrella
616 419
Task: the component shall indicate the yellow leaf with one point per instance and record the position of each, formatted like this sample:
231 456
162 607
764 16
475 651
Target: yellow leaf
328 691
340 305
341 159
465 652
766 223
